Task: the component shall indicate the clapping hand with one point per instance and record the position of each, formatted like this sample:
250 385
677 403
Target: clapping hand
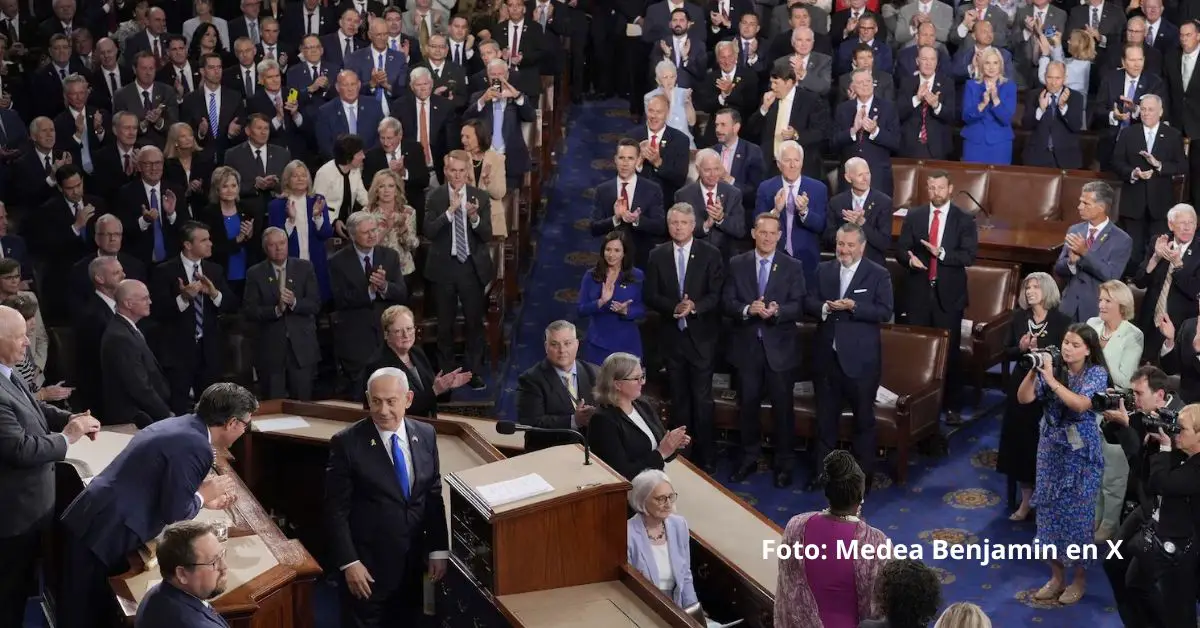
933 250
291 210
189 290
378 279
620 307
318 207
1076 244
1165 326
914 262
1027 342
444 382
869 125
666 49
607 290
686 306
169 202
80 425
1151 159
149 215
673 441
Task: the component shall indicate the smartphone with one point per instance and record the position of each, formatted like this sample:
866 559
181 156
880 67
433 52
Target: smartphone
293 96
496 84
1051 31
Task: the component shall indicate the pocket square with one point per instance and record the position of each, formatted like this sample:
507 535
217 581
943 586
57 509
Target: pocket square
860 291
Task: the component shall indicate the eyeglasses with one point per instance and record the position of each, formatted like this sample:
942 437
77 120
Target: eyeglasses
245 422
666 500
219 560
640 378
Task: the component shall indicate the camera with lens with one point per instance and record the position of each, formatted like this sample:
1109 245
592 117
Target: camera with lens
1034 359
1111 400
1165 419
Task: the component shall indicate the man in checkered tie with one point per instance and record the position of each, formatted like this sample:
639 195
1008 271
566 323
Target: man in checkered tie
1095 251
458 224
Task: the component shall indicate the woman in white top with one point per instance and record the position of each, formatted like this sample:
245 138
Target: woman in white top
657 541
340 182
682 114
304 217
202 9
1122 343
625 431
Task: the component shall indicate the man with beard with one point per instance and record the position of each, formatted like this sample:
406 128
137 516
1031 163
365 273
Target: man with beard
191 561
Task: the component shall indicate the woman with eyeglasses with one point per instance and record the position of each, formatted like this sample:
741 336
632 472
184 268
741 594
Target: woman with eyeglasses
658 538
625 432
829 590
399 350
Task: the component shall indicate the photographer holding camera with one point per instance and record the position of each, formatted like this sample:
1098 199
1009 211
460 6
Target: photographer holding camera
1153 406
1069 461
1160 580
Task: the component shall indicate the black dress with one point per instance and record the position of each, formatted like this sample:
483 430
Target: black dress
1019 432
420 378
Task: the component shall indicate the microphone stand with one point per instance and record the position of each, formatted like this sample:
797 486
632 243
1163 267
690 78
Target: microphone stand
987 216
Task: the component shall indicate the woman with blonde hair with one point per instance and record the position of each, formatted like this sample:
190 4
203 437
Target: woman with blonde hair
486 171
305 219
988 106
1081 49
625 430
187 167
397 220
963 615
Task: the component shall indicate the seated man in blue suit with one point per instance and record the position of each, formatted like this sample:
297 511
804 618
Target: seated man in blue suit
348 114
867 127
799 203
853 297
1096 251
383 72
503 109
161 477
192 564
764 297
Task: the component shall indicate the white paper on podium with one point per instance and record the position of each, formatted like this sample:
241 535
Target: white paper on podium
90 457
514 490
884 396
279 424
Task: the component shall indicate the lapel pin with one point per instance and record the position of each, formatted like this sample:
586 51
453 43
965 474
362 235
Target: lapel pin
372 442
415 439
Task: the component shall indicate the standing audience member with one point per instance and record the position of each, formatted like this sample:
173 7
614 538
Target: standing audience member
1170 276
610 297
1095 251
340 182
541 389
868 208
235 226
989 103
91 319
32 369
134 386
397 220
305 219
800 204
625 431
487 171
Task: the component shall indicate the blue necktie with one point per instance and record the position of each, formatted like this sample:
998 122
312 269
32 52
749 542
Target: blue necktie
160 249
85 152
1131 94
763 273
379 90
790 208
401 465
498 126
213 114
681 271
198 303
352 120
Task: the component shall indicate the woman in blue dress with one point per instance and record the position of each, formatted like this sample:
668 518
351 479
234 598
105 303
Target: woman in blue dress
611 296
989 104
305 219
1070 462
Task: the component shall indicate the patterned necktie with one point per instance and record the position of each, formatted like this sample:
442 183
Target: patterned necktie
379 90
790 209
1091 239
160 248
352 119
681 272
460 234
764 274
248 84
625 192
401 466
569 382
423 133
1160 306
198 303
923 136
213 113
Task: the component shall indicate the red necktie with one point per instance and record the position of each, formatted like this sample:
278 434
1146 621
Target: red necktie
625 192
933 239
654 140
923 136
1091 236
710 197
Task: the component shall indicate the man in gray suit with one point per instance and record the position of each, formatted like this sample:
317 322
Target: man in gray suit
366 280
29 446
282 297
814 71
436 22
917 12
720 217
1095 251
780 16
154 103
1031 19
980 11
259 164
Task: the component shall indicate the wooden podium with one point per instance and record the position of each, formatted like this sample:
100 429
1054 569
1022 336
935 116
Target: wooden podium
574 535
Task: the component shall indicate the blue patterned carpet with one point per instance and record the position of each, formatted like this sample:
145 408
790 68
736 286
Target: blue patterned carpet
959 498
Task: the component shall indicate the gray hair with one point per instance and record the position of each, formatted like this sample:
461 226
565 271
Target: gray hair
856 163
644 484
849 227
392 123
1056 64
1051 297
683 208
73 79
289 170
105 219
100 263
387 371
499 63
1102 191
1180 210
663 67
559 325
270 231
727 43
419 72
706 153
491 43
617 366
789 145
796 32
267 64
33 126
358 218
1148 97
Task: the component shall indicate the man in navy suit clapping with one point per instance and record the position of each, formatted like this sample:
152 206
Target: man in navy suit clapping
764 296
852 297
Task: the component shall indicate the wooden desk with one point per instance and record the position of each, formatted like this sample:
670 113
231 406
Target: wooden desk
270 576
1032 244
622 603
508 444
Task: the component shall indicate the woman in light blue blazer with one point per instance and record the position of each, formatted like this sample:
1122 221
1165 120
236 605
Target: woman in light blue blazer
1122 343
658 538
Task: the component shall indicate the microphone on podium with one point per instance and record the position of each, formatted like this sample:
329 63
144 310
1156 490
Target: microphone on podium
511 427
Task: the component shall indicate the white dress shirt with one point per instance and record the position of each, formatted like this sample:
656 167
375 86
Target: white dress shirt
943 217
190 268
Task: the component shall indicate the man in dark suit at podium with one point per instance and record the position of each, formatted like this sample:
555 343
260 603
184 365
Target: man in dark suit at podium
385 510
853 296
556 393
764 296
160 477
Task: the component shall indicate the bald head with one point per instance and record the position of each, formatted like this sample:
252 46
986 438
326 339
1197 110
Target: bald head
133 299
13 339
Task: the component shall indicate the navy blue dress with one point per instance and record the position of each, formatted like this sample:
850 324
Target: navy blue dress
609 332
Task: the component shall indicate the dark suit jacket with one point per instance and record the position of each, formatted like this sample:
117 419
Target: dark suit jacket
843 59
167 605
731 229
785 286
533 48
1184 105
839 19
420 378
169 74
109 175
369 519
624 446
102 95
176 340
443 127
28 179
46 87
673 148
878 151
744 97
856 332
748 168
1185 362
130 201
1061 129
1112 88
544 401
454 79
64 133
417 181
241 158
129 98
357 328
27 474
1181 301
702 284
648 197
878 226
960 238
89 324
939 132
439 266
150 484
292 27
516 153
222 246
809 117
332 123
293 138
194 109
1154 196
292 334
81 284
333 54
690 70
1112 21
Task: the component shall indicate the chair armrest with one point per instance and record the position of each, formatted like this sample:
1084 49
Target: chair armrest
926 402
988 338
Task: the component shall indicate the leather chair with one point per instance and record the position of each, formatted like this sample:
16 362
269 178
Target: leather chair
992 289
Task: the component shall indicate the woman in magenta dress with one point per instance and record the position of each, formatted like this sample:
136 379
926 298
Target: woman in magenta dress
830 592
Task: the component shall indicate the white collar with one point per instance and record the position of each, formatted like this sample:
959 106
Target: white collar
189 264
112 305
1100 227
630 181
1150 130
945 209
759 258
349 105
208 91
851 268
854 195
686 246
401 431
